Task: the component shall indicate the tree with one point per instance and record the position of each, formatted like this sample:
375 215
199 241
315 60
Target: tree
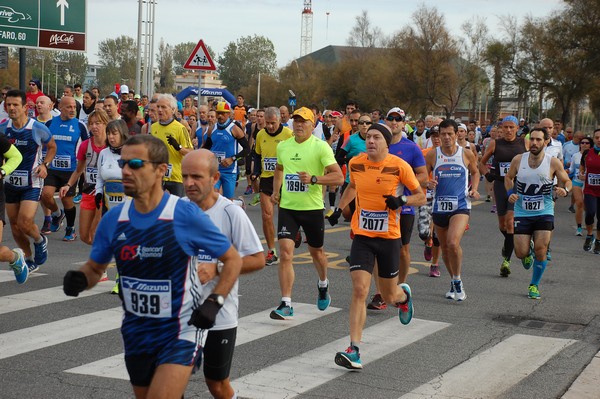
498 55
243 60
118 59
164 58
472 48
181 53
363 34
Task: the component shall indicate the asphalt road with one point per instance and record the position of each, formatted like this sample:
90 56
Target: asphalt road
497 343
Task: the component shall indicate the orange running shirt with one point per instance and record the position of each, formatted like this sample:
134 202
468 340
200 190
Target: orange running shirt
372 181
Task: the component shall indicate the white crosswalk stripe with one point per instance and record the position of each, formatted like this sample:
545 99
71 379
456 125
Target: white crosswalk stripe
8 275
252 327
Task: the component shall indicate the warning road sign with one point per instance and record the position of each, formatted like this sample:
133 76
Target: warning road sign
200 59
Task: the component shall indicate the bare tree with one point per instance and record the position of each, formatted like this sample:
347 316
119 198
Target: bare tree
364 34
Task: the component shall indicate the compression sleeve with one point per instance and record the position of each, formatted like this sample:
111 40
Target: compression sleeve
243 141
13 159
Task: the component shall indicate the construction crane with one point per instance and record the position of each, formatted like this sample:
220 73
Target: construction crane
306 29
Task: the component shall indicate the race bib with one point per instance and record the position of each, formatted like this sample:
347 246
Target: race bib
62 162
91 174
593 179
504 167
113 193
376 221
18 178
169 171
532 203
269 164
220 156
447 203
294 185
147 298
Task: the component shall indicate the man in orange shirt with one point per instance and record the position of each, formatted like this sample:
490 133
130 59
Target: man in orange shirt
377 181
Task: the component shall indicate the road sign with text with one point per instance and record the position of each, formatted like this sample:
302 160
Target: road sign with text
45 24
200 59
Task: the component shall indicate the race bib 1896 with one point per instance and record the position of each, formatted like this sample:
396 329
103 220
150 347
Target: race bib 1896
294 185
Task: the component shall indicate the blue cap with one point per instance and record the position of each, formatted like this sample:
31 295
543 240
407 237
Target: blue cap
512 119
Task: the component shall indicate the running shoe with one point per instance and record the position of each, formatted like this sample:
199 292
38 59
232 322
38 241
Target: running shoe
459 291
255 200
77 199
248 190
19 266
534 293
41 251
467 227
451 294
282 312
328 213
46 226
493 210
349 359
579 232
70 234
428 251
434 271
572 209
597 247
348 259
115 290
104 277
587 245
406 310
527 262
548 254
323 300
31 266
377 303
271 259
57 221
505 268
488 199
298 239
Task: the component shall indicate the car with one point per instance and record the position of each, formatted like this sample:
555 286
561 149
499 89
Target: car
13 16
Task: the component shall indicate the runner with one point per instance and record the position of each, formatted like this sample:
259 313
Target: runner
584 144
376 228
265 161
24 185
589 171
200 172
451 167
304 163
149 237
68 133
503 150
529 184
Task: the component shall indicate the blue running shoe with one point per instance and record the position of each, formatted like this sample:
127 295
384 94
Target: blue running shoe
19 266
46 226
459 291
77 199
31 266
57 221
323 300
70 234
248 190
282 312
534 292
548 255
406 310
41 251
350 359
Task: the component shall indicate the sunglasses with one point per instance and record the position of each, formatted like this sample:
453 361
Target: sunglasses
585 142
395 118
365 123
134 163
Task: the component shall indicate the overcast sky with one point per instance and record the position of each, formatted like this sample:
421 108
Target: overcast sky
220 22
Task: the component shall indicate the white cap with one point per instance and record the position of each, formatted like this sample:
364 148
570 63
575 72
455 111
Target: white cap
124 89
396 110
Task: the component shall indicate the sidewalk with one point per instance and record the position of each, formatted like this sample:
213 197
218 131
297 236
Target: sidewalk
587 385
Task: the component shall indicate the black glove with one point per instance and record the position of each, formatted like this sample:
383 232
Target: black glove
74 282
171 140
98 200
204 316
489 177
393 202
335 217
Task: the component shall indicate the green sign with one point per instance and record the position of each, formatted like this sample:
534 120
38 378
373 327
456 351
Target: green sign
45 24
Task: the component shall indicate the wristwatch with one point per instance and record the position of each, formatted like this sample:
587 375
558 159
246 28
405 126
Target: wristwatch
404 199
2 172
234 158
313 180
567 190
217 298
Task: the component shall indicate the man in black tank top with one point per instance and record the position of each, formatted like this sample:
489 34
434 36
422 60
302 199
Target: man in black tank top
504 150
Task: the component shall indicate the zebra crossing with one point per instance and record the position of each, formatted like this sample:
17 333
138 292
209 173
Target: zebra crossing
500 366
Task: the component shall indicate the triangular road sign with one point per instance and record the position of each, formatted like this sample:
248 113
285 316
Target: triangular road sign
200 59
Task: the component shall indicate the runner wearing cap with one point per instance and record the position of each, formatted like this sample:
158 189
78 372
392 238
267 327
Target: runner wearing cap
376 228
304 164
223 142
503 150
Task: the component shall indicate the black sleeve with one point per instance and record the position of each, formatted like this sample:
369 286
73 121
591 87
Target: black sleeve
340 157
243 141
583 155
4 144
257 163
208 143
340 143
326 131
